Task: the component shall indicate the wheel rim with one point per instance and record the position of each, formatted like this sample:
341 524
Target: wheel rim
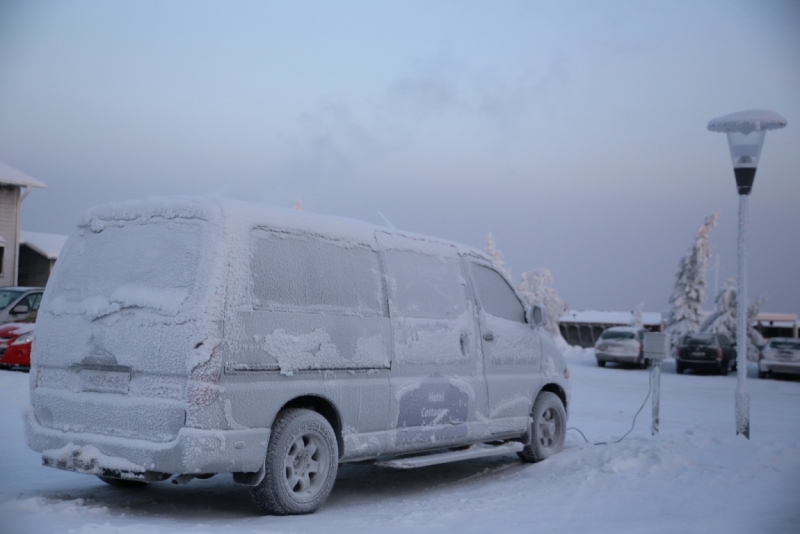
549 428
306 466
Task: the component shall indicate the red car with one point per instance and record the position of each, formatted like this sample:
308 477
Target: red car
15 345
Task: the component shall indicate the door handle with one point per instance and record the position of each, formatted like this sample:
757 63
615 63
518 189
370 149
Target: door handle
488 336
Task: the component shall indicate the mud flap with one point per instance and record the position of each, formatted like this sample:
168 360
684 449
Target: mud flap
251 479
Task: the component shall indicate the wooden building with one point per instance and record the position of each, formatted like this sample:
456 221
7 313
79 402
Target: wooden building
14 187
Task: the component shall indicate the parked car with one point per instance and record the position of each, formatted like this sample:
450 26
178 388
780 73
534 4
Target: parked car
189 337
18 303
705 352
15 345
779 355
620 344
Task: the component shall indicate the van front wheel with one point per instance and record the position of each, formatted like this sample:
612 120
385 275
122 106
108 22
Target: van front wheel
300 469
548 428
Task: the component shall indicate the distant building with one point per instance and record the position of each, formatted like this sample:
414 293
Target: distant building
37 256
777 325
14 187
583 328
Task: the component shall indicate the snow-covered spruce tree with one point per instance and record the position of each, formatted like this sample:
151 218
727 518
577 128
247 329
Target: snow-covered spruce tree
686 302
723 319
496 255
637 317
537 288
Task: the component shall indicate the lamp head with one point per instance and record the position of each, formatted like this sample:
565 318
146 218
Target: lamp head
746 131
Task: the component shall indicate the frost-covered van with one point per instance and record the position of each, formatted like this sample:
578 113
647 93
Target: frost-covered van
182 338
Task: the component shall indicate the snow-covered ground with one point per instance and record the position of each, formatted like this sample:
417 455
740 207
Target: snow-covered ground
694 476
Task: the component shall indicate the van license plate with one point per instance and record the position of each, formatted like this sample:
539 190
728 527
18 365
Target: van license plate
105 381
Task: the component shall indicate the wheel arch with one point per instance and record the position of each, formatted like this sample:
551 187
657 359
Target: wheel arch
559 391
326 408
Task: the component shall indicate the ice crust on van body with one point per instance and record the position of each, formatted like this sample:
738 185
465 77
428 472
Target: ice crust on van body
182 303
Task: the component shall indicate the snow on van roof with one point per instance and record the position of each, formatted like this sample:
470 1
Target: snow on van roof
248 214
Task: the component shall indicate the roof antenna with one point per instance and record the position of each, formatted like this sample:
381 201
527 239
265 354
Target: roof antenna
387 221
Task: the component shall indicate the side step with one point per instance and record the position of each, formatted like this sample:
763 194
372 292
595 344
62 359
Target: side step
475 451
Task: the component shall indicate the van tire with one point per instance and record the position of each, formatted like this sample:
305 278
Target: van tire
548 428
301 464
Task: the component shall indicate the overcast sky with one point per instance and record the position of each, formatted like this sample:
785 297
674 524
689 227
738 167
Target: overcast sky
575 132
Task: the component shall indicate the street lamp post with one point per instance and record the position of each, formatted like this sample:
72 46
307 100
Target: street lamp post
746 131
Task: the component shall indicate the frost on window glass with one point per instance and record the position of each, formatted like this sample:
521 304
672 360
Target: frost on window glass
151 265
497 297
425 286
308 271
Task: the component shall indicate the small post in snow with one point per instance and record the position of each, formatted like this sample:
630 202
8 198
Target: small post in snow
746 131
655 350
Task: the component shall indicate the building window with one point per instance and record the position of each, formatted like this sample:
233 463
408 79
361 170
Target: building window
2 256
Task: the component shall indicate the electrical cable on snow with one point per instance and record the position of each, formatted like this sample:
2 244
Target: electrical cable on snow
633 424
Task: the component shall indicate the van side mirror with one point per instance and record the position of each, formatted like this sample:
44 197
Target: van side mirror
536 315
19 309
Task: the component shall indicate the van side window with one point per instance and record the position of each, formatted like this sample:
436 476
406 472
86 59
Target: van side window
497 297
309 271
425 286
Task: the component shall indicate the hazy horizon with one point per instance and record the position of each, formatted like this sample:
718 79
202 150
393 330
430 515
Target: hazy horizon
575 133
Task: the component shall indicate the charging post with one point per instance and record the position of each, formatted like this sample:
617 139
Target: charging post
655 350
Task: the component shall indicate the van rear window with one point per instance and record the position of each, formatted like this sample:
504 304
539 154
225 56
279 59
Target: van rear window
310 271
152 265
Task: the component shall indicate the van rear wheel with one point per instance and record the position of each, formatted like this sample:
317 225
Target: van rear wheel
548 428
300 469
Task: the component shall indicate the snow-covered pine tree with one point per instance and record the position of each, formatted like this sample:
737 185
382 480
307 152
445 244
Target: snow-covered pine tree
637 317
686 302
723 319
496 255
537 287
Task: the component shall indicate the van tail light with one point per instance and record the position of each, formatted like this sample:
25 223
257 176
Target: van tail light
719 354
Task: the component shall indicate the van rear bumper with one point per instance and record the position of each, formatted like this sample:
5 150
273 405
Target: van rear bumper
194 451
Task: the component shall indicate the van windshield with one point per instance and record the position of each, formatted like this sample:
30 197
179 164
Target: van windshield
152 265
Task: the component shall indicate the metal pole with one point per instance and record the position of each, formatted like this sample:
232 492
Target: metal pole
655 377
742 394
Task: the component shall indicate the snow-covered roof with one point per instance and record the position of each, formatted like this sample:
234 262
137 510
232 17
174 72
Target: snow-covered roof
745 122
48 245
609 317
781 317
248 214
10 175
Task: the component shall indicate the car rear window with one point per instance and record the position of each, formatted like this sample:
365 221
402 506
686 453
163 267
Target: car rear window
699 341
617 334
785 345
